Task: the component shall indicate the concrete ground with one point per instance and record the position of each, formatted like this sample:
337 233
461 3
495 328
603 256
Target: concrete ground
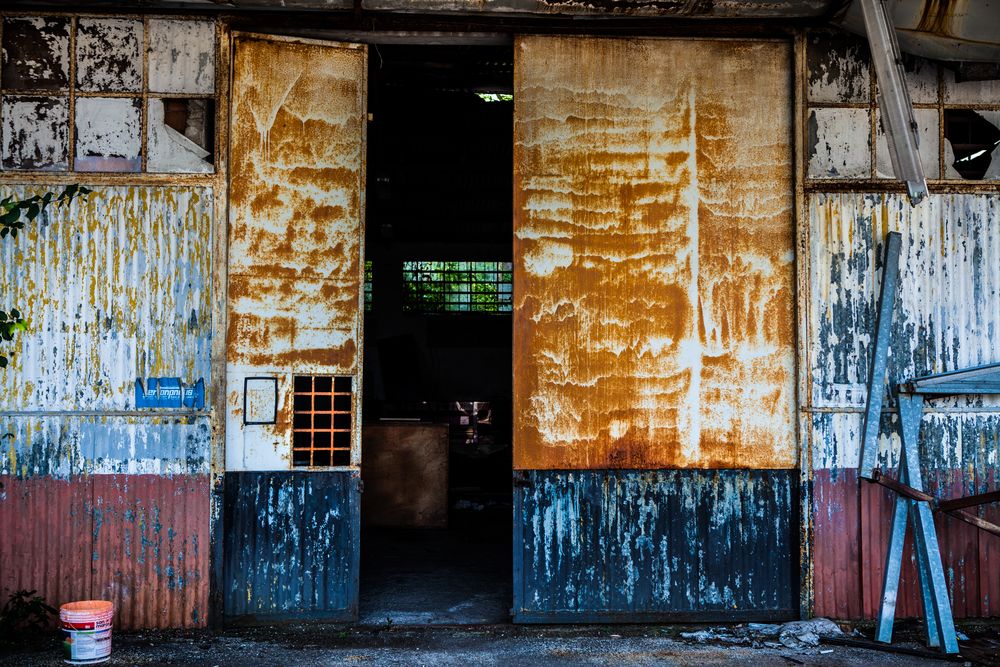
460 576
504 645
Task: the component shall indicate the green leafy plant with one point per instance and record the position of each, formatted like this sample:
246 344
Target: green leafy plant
24 611
14 213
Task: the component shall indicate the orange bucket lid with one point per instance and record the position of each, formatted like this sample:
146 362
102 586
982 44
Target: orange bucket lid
88 607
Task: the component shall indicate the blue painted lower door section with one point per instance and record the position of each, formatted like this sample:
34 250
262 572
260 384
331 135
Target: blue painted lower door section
291 543
632 546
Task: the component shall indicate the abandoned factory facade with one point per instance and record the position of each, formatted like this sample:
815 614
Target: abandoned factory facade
605 278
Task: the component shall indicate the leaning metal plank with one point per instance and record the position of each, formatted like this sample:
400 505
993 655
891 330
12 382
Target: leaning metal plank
880 358
894 100
931 627
893 565
910 411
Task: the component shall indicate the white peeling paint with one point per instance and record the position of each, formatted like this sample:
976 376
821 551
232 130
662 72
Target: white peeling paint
108 127
35 133
108 55
181 56
839 143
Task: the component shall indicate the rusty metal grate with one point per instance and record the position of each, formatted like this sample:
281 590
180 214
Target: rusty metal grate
321 420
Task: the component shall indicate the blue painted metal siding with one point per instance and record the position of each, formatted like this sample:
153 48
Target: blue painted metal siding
608 545
291 545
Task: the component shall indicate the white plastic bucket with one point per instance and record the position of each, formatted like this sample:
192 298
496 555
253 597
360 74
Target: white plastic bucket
86 628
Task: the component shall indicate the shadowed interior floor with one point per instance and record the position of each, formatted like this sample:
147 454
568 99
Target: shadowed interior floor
459 576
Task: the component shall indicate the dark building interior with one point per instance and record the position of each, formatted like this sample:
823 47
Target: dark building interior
436 447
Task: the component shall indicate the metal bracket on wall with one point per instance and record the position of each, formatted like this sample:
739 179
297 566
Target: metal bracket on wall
894 100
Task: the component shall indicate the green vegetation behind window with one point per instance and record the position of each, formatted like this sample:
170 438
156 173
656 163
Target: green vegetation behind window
457 287
368 285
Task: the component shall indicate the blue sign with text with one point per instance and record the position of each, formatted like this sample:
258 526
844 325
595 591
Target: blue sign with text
169 393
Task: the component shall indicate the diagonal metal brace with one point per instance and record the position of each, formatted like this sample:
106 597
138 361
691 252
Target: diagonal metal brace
894 99
880 354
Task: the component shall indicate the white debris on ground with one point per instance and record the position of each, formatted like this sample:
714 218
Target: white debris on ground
798 635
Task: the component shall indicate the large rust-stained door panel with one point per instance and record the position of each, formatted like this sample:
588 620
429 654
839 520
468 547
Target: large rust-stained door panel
653 307
298 131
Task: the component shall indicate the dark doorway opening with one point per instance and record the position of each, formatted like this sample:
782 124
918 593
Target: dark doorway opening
436 450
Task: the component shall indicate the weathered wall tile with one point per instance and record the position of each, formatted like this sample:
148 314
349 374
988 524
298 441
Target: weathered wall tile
921 79
181 56
970 92
109 55
838 68
35 53
108 134
35 133
927 124
839 143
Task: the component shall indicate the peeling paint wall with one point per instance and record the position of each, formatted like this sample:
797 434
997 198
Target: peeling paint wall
655 545
295 265
181 56
108 54
653 254
113 288
947 317
115 500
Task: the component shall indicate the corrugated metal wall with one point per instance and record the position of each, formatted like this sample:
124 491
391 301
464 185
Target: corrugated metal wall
653 329
947 317
656 545
106 501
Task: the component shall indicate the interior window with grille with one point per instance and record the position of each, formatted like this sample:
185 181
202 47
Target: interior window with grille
457 287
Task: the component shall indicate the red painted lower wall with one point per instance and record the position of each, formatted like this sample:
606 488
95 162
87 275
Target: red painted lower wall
141 541
851 524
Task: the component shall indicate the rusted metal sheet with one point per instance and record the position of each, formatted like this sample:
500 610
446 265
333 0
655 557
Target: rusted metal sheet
114 287
613 545
291 545
715 9
296 209
140 541
946 317
653 251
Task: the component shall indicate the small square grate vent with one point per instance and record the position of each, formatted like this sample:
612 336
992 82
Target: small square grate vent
321 420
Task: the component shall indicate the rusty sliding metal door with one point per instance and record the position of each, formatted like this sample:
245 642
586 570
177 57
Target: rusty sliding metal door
293 364
654 361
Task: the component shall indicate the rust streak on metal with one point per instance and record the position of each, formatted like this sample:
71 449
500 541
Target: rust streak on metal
295 198
654 251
